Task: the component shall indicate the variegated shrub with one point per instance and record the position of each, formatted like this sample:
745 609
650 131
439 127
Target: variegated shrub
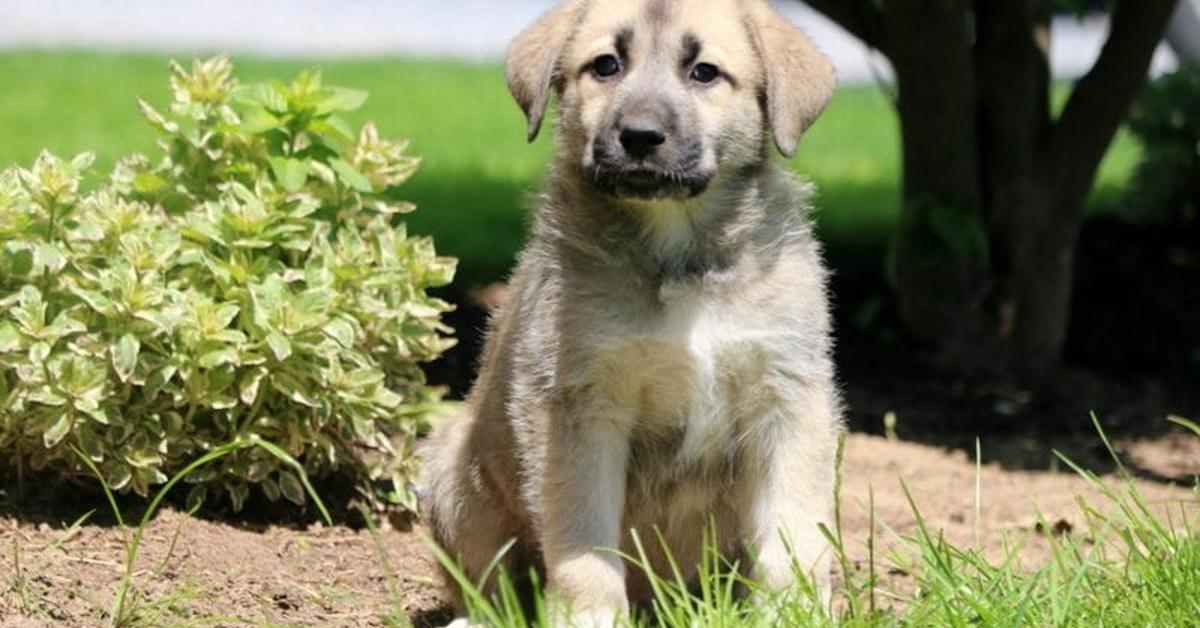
251 282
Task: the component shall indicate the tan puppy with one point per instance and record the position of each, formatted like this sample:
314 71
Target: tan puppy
664 356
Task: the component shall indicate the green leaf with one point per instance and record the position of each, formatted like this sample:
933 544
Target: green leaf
46 397
98 302
351 176
10 339
219 357
338 127
100 415
158 379
290 486
271 489
290 386
165 245
341 331
143 458
22 262
225 315
387 398
148 183
280 347
31 314
238 492
90 444
341 99
49 258
39 352
125 355
268 96
256 119
64 325
218 380
364 427
119 477
289 172
57 431
258 470
250 384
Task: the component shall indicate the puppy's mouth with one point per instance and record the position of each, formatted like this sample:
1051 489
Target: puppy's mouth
645 183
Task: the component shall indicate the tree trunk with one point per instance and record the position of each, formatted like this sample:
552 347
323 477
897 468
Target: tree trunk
1043 271
1044 244
1011 52
940 285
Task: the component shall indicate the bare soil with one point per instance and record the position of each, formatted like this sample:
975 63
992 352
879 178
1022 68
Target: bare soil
232 573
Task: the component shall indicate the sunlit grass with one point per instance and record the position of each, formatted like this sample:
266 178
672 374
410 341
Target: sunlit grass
1134 565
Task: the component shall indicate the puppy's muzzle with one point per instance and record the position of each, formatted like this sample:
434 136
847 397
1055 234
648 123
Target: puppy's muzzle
644 156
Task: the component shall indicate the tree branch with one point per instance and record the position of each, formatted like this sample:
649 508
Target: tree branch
1102 98
862 18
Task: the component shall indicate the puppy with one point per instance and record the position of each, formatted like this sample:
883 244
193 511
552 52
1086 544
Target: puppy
663 360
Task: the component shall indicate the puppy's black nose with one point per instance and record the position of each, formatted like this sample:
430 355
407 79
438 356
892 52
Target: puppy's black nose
642 140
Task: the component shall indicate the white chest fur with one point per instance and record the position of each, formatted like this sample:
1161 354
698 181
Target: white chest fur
692 371
702 330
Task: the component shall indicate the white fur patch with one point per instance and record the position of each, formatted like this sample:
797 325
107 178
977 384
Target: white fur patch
696 324
721 348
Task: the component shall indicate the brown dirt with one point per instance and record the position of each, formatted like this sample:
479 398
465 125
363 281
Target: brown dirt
240 574
1015 505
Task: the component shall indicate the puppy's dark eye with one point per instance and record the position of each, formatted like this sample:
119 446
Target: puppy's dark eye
605 66
705 73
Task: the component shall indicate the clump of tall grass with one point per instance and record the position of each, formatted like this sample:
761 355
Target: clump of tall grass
127 608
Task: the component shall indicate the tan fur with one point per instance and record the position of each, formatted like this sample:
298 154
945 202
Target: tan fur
659 363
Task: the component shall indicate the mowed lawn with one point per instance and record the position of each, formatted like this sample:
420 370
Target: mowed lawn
479 174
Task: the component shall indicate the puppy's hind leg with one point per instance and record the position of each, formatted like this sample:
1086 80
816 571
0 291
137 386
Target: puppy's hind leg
468 519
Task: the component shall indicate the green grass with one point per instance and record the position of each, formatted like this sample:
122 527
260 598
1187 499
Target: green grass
1133 566
478 171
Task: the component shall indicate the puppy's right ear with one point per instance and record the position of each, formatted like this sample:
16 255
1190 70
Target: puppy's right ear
532 65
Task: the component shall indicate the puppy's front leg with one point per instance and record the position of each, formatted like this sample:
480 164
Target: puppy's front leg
792 487
584 502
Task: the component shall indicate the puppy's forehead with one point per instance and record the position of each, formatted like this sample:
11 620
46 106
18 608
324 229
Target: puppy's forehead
714 24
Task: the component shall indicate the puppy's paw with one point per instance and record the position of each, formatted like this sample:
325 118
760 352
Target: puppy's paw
596 618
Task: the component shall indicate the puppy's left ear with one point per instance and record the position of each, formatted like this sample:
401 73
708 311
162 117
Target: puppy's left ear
533 58
800 79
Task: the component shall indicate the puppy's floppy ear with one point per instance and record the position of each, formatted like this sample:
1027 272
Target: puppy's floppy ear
800 79
533 58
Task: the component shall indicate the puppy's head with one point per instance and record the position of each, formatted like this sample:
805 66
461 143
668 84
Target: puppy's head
659 97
